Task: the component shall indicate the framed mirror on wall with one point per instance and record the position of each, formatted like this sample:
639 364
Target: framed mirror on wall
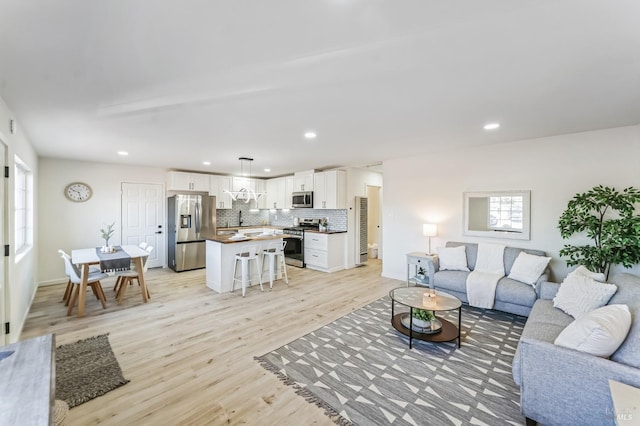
498 214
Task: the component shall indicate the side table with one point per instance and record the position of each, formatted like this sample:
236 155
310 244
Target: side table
415 261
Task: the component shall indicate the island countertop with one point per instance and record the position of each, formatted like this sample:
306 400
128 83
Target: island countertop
229 239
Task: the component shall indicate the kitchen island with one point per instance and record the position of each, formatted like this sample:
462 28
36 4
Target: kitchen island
221 251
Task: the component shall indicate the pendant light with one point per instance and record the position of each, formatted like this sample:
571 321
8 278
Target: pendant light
246 194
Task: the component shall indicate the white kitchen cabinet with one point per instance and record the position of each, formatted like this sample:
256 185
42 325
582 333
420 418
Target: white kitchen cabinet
184 181
288 192
276 193
243 182
218 185
324 252
303 181
261 187
330 190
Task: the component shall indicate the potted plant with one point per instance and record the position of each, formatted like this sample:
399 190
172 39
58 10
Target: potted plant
607 217
106 233
422 318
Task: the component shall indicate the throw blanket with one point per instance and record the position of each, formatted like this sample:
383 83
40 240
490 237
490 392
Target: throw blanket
119 260
483 280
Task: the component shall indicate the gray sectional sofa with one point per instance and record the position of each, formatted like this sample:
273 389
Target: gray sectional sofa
560 386
511 296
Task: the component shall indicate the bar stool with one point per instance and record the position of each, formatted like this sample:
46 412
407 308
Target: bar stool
247 254
275 253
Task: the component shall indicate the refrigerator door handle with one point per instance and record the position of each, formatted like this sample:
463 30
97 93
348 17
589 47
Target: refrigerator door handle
197 218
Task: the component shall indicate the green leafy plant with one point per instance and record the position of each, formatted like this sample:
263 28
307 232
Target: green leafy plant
107 233
423 314
609 218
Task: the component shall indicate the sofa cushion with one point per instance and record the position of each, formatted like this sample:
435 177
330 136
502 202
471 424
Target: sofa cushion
629 294
453 258
579 294
543 312
599 332
516 292
528 267
544 323
451 280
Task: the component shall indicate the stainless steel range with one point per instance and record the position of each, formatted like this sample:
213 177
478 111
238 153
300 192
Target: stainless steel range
294 250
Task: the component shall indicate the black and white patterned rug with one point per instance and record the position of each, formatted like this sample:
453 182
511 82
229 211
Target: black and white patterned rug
361 370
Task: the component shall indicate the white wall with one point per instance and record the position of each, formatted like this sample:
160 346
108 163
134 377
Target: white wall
20 274
429 189
357 181
68 225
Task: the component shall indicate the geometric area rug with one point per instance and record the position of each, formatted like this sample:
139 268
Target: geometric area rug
86 369
360 370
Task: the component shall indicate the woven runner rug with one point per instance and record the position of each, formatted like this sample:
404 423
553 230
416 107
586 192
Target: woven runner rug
86 369
361 370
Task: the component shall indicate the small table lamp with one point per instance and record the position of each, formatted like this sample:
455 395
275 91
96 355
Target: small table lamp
429 230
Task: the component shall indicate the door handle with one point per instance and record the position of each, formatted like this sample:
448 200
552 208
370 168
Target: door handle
158 232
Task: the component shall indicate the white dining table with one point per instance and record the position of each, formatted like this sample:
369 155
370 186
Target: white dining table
88 256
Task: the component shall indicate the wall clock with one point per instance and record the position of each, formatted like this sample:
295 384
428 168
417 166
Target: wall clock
78 191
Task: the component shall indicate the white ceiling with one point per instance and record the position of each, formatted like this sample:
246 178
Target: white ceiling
178 82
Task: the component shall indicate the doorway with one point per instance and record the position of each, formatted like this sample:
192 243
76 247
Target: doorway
374 218
4 290
143 219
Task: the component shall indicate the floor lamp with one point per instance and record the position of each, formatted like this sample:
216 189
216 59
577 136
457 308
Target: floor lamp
429 230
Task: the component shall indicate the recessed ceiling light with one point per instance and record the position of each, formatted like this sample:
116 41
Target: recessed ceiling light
123 153
206 163
491 126
310 135
267 170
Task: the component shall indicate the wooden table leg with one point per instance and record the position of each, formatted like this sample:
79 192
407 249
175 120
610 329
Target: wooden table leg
83 289
143 284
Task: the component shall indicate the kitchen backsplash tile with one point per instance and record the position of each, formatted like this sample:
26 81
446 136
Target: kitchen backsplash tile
337 218
229 217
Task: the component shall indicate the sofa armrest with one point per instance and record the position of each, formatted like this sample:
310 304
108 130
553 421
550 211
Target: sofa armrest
548 290
560 385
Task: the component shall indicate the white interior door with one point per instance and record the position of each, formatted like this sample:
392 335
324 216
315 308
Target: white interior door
143 219
4 291
374 234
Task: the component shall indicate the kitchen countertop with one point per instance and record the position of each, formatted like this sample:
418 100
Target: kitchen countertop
226 239
236 228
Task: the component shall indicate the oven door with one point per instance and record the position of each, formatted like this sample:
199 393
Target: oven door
294 251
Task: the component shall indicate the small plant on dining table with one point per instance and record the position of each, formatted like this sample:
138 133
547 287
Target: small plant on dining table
107 233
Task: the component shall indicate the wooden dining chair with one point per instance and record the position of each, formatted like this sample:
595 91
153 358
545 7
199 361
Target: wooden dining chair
129 276
93 280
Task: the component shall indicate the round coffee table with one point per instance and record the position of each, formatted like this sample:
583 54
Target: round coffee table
412 297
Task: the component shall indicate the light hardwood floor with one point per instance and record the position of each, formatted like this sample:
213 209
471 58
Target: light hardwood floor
189 351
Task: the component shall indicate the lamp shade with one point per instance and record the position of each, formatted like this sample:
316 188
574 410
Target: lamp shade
429 229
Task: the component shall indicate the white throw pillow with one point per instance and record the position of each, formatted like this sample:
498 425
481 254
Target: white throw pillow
582 270
453 258
579 294
599 332
528 267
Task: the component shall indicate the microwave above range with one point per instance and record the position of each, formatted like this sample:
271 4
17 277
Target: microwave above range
302 199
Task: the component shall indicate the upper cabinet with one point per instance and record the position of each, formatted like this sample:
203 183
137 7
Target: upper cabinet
276 193
261 187
183 181
243 182
218 186
288 192
303 181
330 190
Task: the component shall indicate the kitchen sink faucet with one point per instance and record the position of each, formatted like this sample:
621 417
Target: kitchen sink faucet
240 218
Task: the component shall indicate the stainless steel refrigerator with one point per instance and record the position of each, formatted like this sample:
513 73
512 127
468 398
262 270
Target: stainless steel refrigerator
191 218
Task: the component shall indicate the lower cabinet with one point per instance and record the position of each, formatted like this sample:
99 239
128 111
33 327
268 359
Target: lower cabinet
324 252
